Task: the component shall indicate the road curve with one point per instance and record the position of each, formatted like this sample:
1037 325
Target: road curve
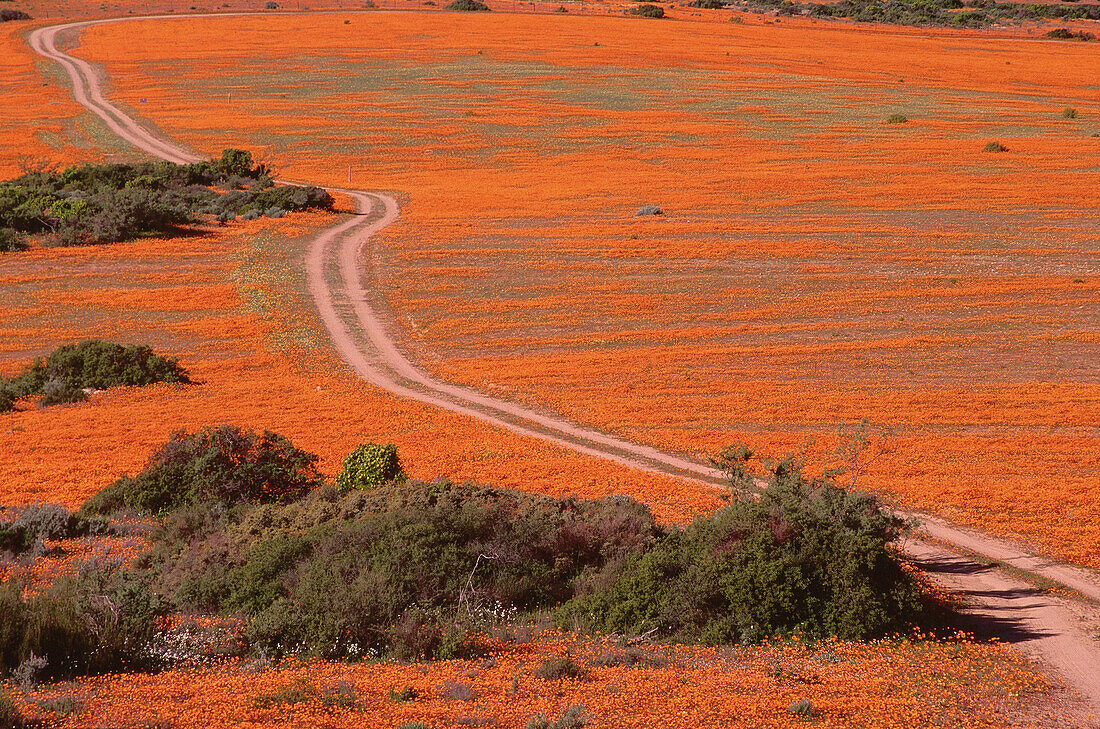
1042 625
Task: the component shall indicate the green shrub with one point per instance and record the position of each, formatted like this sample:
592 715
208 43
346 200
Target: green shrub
95 364
370 465
100 203
100 620
803 709
805 557
8 14
1069 113
896 119
647 10
413 725
401 570
707 4
994 147
224 465
7 398
468 6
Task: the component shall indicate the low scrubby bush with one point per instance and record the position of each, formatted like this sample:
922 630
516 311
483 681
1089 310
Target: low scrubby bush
370 465
1069 113
468 6
98 203
896 119
806 557
225 465
94 364
647 10
97 621
8 14
994 147
23 527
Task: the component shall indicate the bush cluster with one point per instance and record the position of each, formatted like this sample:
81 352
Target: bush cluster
112 202
973 14
468 6
408 569
224 465
8 14
94 364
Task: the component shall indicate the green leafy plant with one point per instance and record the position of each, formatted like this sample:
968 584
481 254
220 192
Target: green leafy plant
370 465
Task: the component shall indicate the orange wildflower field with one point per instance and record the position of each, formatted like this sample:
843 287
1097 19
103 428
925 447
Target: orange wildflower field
814 265
890 684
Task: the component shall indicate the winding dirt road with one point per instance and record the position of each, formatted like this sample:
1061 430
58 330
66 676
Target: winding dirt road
1049 628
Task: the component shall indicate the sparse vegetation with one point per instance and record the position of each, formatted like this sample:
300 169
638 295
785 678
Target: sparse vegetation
1069 113
572 718
114 202
897 119
994 147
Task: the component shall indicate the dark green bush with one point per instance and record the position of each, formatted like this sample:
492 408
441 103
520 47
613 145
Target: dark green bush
805 557
994 147
707 4
1069 113
370 465
896 119
648 10
62 376
8 14
468 6
223 465
98 203
98 621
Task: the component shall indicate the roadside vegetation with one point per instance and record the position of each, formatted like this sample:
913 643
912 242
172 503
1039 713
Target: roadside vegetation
246 529
952 13
71 370
99 203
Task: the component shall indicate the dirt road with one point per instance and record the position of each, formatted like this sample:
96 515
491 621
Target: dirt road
1053 629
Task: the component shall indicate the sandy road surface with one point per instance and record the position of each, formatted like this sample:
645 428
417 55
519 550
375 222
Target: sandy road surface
1039 623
